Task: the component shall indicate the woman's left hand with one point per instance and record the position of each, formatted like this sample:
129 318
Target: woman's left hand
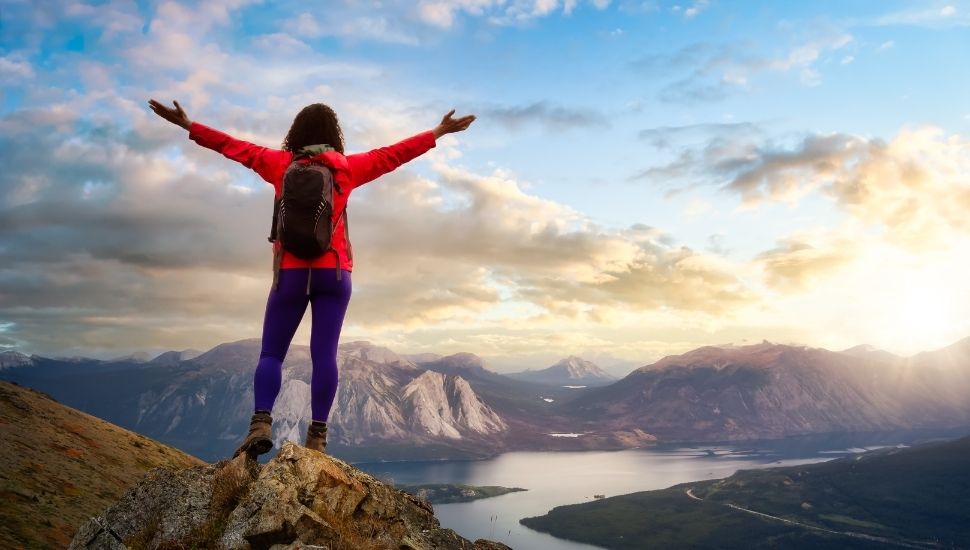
450 125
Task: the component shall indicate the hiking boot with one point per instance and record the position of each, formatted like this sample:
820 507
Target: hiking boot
260 437
316 436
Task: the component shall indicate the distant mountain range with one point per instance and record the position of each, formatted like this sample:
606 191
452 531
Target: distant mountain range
406 407
770 391
570 371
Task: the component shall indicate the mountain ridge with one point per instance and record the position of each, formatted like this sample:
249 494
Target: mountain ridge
712 393
570 370
765 391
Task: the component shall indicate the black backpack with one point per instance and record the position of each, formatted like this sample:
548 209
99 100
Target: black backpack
302 215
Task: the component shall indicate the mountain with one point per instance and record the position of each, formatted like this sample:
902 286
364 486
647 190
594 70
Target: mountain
571 371
384 398
11 359
422 357
61 465
137 357
384 408
771 391
916 497
464 364
615 366
518 400
442 404
299 499
527 407
175 357
399 407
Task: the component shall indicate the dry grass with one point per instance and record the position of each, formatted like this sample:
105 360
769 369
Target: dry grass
361 533
61 466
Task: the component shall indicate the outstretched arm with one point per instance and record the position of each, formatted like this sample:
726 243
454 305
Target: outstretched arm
268 163
368 166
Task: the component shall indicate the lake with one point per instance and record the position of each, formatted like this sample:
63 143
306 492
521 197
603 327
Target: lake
557 478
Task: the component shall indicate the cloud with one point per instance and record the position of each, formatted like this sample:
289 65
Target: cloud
945 17
344 22
696 8
796 263
913 186
664 137
119 235
442 13
13 70
552 118
705 72
514 246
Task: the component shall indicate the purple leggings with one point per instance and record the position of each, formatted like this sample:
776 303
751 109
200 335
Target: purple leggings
284 311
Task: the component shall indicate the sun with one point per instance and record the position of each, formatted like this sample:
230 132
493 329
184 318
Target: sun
920 315
899 300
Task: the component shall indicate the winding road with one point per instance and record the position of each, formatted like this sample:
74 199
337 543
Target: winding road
895 542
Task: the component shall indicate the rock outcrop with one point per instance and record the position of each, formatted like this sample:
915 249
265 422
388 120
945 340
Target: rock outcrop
299 499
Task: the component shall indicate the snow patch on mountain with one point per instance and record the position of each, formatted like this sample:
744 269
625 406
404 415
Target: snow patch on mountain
571 370
362 349
12 359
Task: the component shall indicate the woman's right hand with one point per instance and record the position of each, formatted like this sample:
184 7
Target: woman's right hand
176 116
450 125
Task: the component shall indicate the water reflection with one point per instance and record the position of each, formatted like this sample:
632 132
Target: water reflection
558 478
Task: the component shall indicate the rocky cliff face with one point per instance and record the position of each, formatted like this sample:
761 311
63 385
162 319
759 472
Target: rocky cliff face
446 405
397 401
299 499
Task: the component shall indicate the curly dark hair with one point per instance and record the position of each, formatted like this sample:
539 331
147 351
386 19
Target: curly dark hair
316 123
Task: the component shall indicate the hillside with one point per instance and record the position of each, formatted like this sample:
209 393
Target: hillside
61 466
915 497
766 391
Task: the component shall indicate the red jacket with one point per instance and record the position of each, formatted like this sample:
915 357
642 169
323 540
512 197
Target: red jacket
349 172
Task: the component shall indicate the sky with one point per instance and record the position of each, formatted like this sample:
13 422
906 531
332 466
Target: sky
643 177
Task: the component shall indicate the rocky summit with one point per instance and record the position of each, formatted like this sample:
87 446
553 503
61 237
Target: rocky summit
299 499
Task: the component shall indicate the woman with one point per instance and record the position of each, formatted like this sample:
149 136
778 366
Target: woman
323 282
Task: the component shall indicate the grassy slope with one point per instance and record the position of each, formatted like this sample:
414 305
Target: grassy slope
60 466
918 494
